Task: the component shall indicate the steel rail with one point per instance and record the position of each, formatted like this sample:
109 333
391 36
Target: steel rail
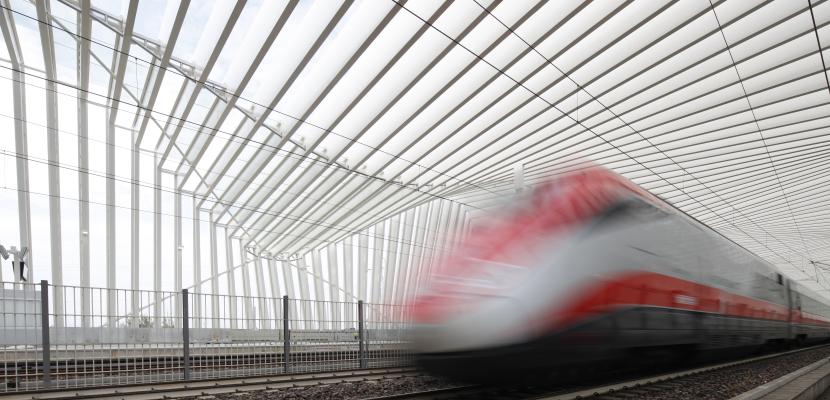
216 386
539 392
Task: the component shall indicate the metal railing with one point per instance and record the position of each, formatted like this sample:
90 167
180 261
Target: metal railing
105 337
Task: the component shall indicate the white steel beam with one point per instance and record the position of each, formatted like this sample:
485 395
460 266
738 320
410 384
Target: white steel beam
391 264
47 45
20 137
348 276
377 263
334 285
245 262
84 23
317 267
119 66
231 279
362 264
214 271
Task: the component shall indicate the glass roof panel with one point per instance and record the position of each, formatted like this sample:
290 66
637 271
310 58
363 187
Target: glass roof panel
434 93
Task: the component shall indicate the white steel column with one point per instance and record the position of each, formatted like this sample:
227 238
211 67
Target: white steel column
391 259
20 146
417 256
264 318
85 29
317 267
197 263
289 286
429 243
377 263
152 86
231 279
177 238
348 277
442 236
362 263
286 276
334 283
214 273
245 263
156 238
405 260
119 67
276 295
47 45
302 276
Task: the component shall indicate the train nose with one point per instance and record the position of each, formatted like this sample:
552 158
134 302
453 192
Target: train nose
489 322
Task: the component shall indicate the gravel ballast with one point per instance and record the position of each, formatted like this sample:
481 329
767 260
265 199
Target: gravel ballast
730 381
343 390
719 384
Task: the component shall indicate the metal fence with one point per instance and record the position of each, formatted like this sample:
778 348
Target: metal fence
68 336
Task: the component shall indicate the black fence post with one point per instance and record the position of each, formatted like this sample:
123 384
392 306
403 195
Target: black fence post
44 334
186 334
361 335
286 337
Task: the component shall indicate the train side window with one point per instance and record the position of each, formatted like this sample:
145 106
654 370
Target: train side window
779 278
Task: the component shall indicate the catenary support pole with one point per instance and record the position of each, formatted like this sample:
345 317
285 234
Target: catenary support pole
44 332
361 335
286 336
185 334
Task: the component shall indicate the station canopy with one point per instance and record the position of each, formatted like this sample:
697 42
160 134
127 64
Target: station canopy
335 149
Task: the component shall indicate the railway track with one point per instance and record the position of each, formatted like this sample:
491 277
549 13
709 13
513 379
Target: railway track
214 387
27 375
672 385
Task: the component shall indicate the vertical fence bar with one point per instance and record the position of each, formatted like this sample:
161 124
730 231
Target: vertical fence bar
44 332
286 336
361 335
185 334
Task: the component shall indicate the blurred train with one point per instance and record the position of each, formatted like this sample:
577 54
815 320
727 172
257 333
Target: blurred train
589 269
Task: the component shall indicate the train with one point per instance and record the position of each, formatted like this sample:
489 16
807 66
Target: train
590 270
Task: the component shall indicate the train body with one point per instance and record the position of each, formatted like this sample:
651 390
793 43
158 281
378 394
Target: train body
589 269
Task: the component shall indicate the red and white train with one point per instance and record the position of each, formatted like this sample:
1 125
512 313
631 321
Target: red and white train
589 268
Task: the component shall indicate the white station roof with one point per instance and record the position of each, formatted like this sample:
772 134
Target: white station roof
303 128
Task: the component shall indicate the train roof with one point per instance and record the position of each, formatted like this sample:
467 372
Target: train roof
613 178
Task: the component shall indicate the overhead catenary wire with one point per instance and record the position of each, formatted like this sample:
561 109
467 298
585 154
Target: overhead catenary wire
202 126
224 92
818 42
346 231
366 233
702 163
153 185
535 94
705 171
674 90
227 204
638 155
757 125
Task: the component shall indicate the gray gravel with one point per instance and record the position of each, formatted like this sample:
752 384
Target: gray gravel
714 385
344 390
729 382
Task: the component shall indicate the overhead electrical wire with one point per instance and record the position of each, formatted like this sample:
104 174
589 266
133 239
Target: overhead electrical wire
532 92
658 148
153 185
757 125
818 41
639 90
169 191
225 92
